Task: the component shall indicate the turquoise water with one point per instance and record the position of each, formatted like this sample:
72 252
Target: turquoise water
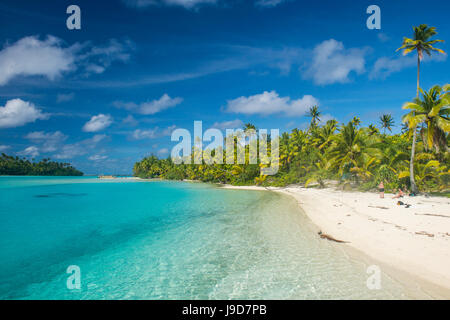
166 240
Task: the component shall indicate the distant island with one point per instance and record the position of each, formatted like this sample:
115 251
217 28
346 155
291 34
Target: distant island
15 166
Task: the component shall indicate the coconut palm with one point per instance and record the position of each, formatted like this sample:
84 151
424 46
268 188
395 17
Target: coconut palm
421 43
348 146
433 110
373 130
365 166
323 165
260 180
432 171
356 121
249 126
387 122
314 113
285 150
322 137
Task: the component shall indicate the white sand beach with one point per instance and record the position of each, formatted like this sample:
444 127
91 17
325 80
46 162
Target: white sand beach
413 241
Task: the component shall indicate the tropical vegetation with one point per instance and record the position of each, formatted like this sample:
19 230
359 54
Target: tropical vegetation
345 153
23 167
421 43
416 158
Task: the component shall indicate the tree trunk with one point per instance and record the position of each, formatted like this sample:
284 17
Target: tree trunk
412 181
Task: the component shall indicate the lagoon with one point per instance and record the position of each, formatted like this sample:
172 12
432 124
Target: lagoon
167 240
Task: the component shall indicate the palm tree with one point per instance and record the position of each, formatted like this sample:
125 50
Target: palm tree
372 130
356 121
260 180
249 126
405 128
314 113
421 43
348 146
433 171
322 138
434 111
285 150
323 165
386 122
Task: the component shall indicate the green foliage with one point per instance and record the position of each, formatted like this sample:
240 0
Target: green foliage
346 153
15 166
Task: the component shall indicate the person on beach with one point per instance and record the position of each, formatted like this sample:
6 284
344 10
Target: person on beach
400 194
381 189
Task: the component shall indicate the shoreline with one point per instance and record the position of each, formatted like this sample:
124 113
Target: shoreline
410 245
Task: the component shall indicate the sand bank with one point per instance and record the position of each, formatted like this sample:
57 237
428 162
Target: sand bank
414 240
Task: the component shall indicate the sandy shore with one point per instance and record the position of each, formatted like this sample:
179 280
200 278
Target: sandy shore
414 241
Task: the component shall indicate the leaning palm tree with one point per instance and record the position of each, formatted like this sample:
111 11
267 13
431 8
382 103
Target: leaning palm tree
314 113
421 43
433 110
387 122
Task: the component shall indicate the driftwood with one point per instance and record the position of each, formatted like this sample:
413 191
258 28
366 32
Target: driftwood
379 207
431 214
330 238
423 233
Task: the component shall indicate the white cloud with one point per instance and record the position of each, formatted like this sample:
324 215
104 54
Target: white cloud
385 66
95 139
228 124
69 151
17 112
150 107
268 103
97 157
31 56
162 152
31 151
332 63
188 4
383 37
268 3
97 123
139 134
98 58
325 117
153 133
162 103
232 57
49 141
4 147
65 97
130 121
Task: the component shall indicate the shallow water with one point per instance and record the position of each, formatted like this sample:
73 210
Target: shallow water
166 240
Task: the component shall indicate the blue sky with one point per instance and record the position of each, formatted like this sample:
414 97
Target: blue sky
105 96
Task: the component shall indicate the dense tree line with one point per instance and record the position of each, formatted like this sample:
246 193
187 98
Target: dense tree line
16 166
418 158
347 153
